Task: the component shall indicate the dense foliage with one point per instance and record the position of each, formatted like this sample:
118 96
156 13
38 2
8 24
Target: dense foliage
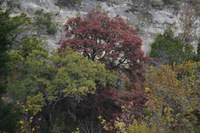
115 43
166 49
43 21
97 81
39 82
172 106
174 97
9 30
110 40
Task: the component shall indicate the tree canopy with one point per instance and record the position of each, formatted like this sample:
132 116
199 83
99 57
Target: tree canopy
114 42
39 79
168 49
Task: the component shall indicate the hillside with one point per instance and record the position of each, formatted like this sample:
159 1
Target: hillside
149 17
99 66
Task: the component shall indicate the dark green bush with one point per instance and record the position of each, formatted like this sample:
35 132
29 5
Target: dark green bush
51 29
168 50
62 3
43 21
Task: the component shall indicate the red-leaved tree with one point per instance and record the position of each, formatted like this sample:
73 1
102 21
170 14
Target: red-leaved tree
110 40
114 42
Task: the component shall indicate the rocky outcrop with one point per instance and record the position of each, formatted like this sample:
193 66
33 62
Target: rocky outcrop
149 17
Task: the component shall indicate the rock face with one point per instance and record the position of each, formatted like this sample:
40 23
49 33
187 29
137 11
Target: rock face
149 17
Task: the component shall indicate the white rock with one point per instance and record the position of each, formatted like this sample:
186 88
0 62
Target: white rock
161 19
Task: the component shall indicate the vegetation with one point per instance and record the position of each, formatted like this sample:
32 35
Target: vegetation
98 80
44 21
172 106
61 77
167 49
68 3
174 97
115 43
10 28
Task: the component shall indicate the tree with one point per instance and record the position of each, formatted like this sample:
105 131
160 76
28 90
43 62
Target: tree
174 97
10 28
166 49
47 84
43 21
110 40
190 13
172 106
114 42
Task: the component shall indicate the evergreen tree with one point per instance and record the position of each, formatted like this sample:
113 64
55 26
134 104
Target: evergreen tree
9 29
166 49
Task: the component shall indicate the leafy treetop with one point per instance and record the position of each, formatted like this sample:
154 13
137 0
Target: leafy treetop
55 76
167 49
110 40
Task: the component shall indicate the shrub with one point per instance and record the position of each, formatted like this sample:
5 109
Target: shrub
44 21
68 2
166 49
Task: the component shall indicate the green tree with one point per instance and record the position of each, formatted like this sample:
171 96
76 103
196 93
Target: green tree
41 81
166 49
43 21
10 27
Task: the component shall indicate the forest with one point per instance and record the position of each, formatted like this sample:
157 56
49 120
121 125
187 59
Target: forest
98 79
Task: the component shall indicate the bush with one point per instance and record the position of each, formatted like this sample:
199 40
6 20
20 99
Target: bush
44 21
69 3
166 49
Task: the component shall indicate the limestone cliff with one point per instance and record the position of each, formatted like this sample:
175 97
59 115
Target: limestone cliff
150 17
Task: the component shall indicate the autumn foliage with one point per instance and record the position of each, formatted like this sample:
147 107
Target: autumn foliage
94 82
111 40
114 42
